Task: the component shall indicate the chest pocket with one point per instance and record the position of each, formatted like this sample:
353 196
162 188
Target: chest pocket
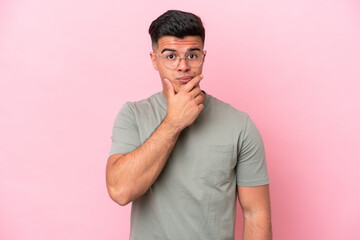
216 164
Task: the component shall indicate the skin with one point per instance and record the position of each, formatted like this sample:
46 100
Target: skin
128 176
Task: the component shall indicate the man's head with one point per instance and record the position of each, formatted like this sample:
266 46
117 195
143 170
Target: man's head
177 41
177 24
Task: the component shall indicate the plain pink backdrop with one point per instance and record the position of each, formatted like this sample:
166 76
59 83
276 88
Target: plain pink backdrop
66 68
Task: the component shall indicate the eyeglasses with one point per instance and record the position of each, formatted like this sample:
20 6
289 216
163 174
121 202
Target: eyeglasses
172 60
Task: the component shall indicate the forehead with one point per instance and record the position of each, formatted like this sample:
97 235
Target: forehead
179 44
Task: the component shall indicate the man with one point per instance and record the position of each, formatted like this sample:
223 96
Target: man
182 156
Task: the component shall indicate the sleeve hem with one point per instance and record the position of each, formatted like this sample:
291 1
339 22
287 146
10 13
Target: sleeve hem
253 183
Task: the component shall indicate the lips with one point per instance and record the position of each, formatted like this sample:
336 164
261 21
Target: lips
184 79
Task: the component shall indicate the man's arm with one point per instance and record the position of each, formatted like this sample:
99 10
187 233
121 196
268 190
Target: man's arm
255 204
129 176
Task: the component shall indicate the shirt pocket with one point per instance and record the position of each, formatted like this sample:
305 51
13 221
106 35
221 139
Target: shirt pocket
217 164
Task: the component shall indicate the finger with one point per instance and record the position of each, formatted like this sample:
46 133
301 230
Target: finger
198 99
192 83
169 88
201 107
195 91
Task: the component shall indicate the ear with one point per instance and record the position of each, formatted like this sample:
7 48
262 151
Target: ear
204 57
153 60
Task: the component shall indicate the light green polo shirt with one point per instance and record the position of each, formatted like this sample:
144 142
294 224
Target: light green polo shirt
194 196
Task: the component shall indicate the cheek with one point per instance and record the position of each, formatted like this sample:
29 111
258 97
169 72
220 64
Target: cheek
163 71
199 70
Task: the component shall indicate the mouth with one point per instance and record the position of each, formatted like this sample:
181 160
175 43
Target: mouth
184 79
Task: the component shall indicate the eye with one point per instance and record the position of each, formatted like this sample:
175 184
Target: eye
192 56
171 56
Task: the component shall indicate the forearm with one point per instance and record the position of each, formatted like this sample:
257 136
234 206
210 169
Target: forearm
258 227
131 175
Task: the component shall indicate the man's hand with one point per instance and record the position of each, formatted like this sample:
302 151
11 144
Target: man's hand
185 106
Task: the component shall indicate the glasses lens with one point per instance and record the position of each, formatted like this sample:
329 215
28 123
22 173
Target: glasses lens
194 59
172 60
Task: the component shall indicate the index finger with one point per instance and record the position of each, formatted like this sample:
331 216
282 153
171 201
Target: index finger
192 83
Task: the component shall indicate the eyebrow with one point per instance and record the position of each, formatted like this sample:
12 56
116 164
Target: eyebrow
168 49
173 50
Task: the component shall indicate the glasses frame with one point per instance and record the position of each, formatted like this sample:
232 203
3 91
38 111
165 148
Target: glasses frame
203 53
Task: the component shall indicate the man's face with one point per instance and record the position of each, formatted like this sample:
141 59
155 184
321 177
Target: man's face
180 47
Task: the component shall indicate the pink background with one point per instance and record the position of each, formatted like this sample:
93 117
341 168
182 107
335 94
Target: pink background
66 68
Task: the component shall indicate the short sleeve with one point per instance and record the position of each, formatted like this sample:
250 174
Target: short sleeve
125 134
251 169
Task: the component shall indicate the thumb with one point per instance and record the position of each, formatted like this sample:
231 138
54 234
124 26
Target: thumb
169 87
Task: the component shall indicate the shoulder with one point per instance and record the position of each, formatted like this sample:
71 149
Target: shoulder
143 102
152 102
226 110
146 111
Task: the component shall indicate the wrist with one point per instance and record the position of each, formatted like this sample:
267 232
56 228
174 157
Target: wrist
172 126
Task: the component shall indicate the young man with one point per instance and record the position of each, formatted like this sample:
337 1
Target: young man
182 156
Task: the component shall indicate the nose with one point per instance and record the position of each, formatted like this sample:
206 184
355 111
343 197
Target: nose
183 67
